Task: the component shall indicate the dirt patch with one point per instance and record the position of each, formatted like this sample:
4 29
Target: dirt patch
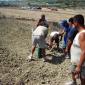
15 46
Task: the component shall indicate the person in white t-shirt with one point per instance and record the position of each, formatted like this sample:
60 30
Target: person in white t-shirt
38 39
54 38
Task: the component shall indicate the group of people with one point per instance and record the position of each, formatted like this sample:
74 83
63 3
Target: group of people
73 32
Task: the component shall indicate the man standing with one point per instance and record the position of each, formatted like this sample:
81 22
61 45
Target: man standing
78 51
71 36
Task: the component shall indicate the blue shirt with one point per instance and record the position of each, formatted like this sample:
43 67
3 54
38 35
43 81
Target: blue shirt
66 30
64 24
72 33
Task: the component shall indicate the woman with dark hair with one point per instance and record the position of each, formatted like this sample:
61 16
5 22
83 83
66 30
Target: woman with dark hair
42 19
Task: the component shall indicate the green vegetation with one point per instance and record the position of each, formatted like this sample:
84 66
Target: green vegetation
50 3
58 3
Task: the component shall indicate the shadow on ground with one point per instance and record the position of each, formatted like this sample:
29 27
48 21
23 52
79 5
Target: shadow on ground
55 59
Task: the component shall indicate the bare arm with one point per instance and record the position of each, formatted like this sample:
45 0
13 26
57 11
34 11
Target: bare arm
68 45
82 46
82 56
61 32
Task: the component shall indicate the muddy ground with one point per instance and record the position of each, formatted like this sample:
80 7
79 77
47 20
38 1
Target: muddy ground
15 46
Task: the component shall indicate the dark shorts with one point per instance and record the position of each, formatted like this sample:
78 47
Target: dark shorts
82 73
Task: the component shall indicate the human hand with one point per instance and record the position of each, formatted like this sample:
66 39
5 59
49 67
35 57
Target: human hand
77 72
78 68
66 51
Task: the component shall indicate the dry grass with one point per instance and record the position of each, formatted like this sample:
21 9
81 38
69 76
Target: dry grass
35 15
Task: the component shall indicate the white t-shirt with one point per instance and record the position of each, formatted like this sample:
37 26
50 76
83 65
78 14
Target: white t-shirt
54 33
40 30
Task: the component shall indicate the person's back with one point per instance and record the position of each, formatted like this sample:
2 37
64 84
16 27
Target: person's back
38 40
54 33
40 31
43 20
